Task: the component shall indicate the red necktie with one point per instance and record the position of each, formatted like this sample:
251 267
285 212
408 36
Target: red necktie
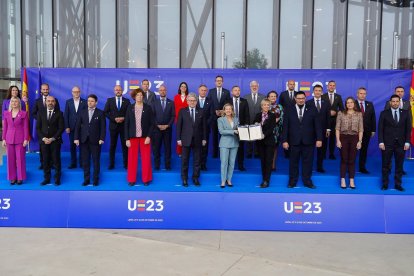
362 108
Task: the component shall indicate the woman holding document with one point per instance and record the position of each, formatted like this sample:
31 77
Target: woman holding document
229 144
266 145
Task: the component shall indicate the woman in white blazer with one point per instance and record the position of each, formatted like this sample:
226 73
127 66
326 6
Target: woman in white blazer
229 144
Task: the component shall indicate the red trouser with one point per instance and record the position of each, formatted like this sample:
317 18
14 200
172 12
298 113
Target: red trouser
137 144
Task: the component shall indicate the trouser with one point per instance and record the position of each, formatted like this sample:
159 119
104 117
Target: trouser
348 154
298 152
16 162
51 157
240 154
114 133
73 149
215 136
196 160
364 150
266 159
399 154
227 158
91 150
162 137
138 146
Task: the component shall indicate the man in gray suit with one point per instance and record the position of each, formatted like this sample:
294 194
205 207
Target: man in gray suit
253 100
149 96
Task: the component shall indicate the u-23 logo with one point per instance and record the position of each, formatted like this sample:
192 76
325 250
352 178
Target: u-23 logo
144 205
299 207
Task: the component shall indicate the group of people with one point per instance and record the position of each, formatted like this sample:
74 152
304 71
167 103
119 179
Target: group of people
145 126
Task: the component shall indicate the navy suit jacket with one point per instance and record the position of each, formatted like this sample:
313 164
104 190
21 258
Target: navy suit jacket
324 114
71 115
208 110
151 97
111 111
94 130
38 106
389 131
244 115
212 95
187 129
306 132
369 116
165 117
285 101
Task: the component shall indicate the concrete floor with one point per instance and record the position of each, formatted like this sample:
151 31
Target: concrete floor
31 251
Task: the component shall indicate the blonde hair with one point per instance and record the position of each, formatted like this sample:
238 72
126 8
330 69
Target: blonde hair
223 113
18 100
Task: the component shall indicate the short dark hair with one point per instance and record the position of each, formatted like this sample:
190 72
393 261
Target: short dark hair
300 93
362 88
331 81
219 76
234 86
202 85
93 96
135 92
399 86
395 96
318 85
145 80
45 84
272 92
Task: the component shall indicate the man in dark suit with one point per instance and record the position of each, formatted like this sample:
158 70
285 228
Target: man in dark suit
218 96
164 112
253 101
90 133
149 96
394 135
40 106
335 100
206 106
323 107
72 109
287 97
368 114
191 135
301 132
241 110
50 126
115 110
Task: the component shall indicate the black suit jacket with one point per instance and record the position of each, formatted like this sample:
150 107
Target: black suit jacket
212 95
369 116
94 130
151 97
244 115
38 106
111 111
337 105
165 117
208 110
323 115
306 132
50 128
187 129
389 131
268 128
285 101
147 122
70 114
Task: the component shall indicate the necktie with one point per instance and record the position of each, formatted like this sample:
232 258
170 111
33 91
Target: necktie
236 108
218 94
395 116
50 115
331 99
318 105
291 95
119 103
254 98
362 108
163 104
202 103
192 114
90 114
44 101
300 114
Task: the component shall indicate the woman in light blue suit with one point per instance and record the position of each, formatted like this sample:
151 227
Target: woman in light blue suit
229 144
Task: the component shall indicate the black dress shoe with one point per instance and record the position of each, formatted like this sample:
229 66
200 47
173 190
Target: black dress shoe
157 168
364 171
44 182
19 182
72 167
242 169
384 187
310 186
111 167
320 170
95 183
196 182
185 183
399 188
291 185
86 183
332 157
57 182
404 172
131 184
264 184
203 167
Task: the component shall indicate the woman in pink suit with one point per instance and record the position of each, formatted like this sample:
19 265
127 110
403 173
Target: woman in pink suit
15 138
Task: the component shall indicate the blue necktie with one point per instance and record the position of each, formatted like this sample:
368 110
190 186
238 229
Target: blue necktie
119 103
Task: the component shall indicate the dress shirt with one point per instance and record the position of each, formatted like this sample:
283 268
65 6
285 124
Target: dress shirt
76 103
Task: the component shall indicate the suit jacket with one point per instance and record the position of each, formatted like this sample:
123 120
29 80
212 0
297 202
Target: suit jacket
306 132
285 100
337 105
389 131
165 117
324 114
369 116
52 128
244 115
95 130
17 130
208 110
151 97
111 111
70 114
38 106
268 128
254 108
147 122
187 129
406 105
212 95
228 138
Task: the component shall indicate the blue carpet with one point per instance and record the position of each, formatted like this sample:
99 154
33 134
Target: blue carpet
170 181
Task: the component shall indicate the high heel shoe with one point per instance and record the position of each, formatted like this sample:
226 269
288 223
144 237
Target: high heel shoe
222 185
343 183
352 184
19 182
12 182
229 184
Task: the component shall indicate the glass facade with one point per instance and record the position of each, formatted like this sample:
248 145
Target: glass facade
326 34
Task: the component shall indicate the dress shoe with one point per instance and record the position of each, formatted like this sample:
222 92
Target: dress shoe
229 184
57 182
242 169
168 168
146 183
86 183
157 168
131 184
291 185
196 182
273 169
95 183
264 184
384 187
13 182
404 172
19 182
125 167
44 182
332 157
203 167
185 183
320 170
72 167
111 167
399 188
364 171
310 186
222 185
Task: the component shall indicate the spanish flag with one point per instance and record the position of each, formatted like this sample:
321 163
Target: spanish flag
25 90
412 107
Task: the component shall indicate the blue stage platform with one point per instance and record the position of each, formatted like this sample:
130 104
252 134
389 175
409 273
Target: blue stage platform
165 204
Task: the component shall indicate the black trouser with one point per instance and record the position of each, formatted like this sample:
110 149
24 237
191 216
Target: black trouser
88 149
73 149
319 158
331 140
398 151
240 155
114 133
51 157
215 134
204 150
304 152
266 159
162 137
252 148
364 150
185 158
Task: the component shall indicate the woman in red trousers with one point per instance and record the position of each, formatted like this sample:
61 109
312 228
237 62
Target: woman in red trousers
180 101
139 124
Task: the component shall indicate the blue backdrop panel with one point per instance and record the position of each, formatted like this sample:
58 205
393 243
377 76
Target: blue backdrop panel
380 83
34 208
399 214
